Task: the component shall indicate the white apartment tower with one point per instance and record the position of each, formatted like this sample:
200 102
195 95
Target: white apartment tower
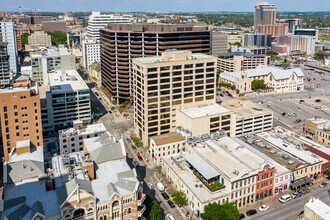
8 35
91 43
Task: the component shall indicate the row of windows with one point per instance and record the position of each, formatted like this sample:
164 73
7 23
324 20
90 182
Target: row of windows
243 191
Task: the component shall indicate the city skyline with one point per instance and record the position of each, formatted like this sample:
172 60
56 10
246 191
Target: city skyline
161 6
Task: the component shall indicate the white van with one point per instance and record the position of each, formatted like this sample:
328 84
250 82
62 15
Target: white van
285 198
169 217
160 186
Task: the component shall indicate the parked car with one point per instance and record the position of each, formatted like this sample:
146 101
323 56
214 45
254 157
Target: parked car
318 107
137 152
169 217
140 158
221 95
251 212
268 105
230 95
128 140
285 198
100 99
318 100
323 185
295 195
171 204
150 186
263 208
96 94
297 120
135 163
241 216
110 112
164 194
301 100
324 109
312 105
160 186
283 114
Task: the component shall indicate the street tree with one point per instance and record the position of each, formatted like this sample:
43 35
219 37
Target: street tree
179 198
215 211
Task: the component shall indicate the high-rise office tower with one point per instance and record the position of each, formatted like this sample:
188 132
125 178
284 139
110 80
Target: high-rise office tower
4 64
166 83
20 117
265 13
8 35
122 42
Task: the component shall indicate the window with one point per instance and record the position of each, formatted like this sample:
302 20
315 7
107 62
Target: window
15 106
5 108
17 134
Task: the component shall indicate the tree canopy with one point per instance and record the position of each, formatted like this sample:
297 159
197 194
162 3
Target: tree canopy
258 84
58 37
153 211
226 211
179 198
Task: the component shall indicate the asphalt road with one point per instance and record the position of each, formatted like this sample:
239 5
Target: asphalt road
290 209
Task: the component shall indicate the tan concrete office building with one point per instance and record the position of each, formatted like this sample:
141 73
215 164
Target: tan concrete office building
163 84
20 117
38 39
237 61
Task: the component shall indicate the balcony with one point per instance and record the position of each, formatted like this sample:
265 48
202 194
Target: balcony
141 199
141 210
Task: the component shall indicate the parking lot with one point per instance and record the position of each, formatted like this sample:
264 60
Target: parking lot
303 111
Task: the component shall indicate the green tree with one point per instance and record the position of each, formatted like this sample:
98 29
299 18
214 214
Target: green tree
229 50
58 37
321 55
258 84
215 211
179 198
237 44
155 212
24 39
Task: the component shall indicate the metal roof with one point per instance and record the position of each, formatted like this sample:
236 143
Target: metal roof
202 166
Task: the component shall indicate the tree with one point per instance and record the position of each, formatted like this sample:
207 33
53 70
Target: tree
226 211
321 55
156 212
179 198
58 37
258 84
152 209
237 44
24 39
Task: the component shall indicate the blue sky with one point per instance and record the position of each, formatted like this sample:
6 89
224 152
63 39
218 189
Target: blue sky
162 5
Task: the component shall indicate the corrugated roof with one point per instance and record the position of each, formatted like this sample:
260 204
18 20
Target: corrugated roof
202 166
168 138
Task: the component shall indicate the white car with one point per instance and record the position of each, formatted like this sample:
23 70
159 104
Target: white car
263 208
169 217
324 110
150 186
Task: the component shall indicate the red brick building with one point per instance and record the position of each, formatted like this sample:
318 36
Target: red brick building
265 182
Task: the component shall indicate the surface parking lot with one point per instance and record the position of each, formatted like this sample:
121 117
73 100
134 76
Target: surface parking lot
303 111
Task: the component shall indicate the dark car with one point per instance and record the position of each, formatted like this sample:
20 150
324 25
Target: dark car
96 94
230 95
251 212
110 112
221 94
317 100
100 99
241 216
164 194
301 100
171 204
128 140
297 121
283 114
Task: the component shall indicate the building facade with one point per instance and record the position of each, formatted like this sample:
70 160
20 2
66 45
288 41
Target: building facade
4 64
258 40
91 52
8 35
53 26
237 61
19 32
276 30
278 79
20 116
218 43
264 14
38 39
65 99
163 84
71 139
120 43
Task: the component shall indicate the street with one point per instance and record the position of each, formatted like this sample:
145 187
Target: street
290 209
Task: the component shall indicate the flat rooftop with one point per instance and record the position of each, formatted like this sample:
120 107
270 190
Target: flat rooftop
66 81
318 120
159 59
231 158
202 111
244 108
89 129
319 207
274 138
168 138
189 179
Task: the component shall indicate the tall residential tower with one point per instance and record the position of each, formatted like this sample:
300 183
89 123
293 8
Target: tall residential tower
265 13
